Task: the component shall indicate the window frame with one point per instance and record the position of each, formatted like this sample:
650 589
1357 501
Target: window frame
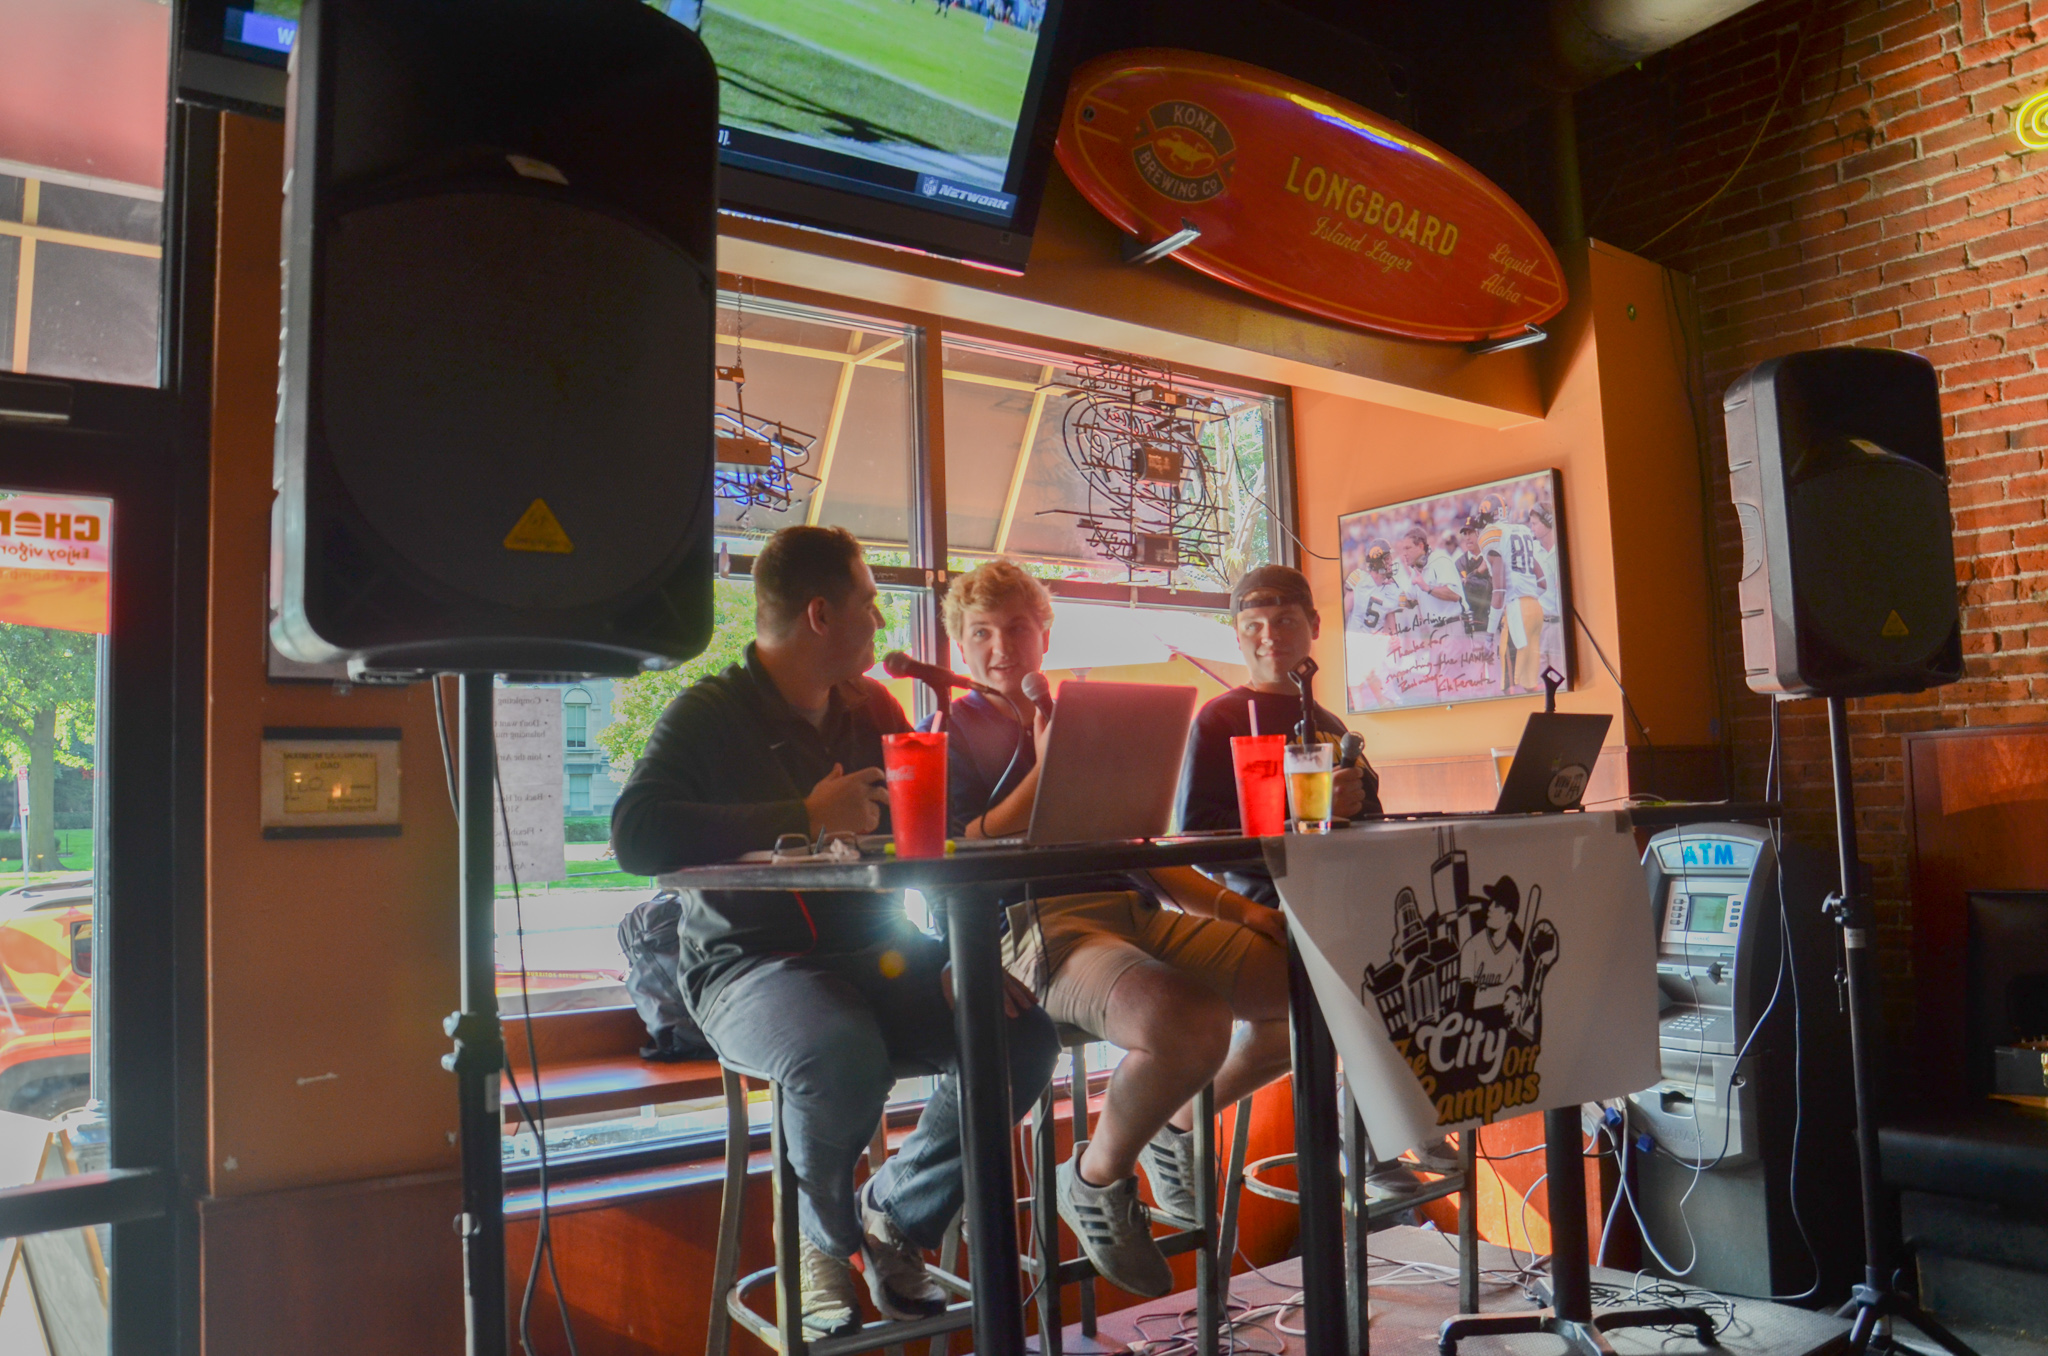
927 577
147 450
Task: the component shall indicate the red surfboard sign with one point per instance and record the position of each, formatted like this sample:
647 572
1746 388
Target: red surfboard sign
1303 198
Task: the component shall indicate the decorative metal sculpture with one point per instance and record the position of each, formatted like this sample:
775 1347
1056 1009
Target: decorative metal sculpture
1136 439
759 460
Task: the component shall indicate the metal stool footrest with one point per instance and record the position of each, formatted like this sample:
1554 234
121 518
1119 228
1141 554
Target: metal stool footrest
1252 1183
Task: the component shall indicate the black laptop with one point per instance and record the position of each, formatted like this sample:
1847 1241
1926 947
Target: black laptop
1552 764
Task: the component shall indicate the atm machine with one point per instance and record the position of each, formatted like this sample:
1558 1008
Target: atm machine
1719 1124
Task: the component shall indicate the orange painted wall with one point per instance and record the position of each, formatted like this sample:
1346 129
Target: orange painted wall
330 963
1619 431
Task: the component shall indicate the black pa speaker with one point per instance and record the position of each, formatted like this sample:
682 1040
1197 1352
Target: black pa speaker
1836 468
494 434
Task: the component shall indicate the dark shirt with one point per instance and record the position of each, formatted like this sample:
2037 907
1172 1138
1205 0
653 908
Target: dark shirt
726 771
987 754
1208 781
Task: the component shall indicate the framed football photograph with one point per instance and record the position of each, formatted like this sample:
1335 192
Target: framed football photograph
1456 597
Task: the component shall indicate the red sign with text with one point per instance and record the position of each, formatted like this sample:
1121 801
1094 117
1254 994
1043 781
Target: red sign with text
1303 198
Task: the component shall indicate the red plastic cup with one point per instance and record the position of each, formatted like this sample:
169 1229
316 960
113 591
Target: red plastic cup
1261 786
915 765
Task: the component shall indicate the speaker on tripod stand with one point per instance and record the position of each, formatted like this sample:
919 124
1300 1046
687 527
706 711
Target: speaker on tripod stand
494 433
1848 589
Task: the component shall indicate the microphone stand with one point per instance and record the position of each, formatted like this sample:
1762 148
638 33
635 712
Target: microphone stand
1304 676
1570 1315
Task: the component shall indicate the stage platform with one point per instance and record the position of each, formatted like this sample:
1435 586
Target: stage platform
1409 1304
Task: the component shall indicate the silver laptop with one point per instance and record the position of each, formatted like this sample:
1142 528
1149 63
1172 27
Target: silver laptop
1112 762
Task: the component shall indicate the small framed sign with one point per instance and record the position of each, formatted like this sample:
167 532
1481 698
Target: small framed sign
330 782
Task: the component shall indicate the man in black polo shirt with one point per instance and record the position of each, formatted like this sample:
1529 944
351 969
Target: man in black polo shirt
821 991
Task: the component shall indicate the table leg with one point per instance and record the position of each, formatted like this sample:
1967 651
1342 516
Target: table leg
1571 1280
1315 1144
985 1130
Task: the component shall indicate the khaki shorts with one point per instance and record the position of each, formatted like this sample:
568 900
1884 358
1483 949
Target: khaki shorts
1086 942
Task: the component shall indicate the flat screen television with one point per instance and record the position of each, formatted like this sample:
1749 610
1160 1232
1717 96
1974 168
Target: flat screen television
924 124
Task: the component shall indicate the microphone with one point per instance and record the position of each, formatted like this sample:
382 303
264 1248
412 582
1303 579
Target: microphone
900 665
1040 693
1349 748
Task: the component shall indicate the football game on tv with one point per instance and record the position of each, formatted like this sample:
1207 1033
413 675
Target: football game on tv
1456 597
915 101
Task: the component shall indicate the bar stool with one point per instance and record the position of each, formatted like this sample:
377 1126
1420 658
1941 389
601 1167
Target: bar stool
785 1333
1213 1241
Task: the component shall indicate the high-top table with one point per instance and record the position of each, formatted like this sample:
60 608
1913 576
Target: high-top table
974 932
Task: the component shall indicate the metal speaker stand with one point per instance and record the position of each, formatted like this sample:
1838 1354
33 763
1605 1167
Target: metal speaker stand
1571 1315
1878 1300
478 1060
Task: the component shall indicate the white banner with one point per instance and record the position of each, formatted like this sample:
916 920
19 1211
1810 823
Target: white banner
1477 970
529 730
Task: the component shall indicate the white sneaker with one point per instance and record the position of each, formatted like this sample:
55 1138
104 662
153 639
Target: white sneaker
1391 1182
1169 1163
827 1294
1440 1157
899 1282
1115 1232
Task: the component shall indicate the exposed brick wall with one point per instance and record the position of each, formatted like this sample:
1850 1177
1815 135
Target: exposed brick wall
1888 202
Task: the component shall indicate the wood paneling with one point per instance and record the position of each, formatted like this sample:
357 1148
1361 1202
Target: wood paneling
330 963
1977 819
635 1251
343 1270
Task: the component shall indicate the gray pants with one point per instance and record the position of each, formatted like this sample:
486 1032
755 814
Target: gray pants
832 1030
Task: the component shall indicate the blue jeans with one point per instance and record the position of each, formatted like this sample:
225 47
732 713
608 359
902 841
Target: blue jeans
835 1031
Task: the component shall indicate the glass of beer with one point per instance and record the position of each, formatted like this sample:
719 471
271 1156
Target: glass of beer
1309 774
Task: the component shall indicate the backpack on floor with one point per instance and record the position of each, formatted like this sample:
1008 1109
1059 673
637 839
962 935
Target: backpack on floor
648 935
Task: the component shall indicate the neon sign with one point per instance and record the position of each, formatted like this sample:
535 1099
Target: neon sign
2030 120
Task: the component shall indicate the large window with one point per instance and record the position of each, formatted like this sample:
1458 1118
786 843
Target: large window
1140 555
82 100
821 412
97 1014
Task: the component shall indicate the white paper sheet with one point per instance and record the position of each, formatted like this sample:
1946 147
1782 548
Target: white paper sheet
1478 970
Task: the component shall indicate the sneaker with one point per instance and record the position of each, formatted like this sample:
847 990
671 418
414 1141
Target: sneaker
1169 1163
1390 1182
831 1301
1440 1157
1115 1232
899 1283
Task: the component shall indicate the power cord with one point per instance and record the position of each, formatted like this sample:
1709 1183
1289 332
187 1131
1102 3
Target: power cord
536 1123
544 1239
1627 706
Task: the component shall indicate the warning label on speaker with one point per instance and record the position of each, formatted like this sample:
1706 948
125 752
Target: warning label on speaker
539 530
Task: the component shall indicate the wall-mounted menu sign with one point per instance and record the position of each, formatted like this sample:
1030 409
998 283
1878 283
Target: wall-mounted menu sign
1304 199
